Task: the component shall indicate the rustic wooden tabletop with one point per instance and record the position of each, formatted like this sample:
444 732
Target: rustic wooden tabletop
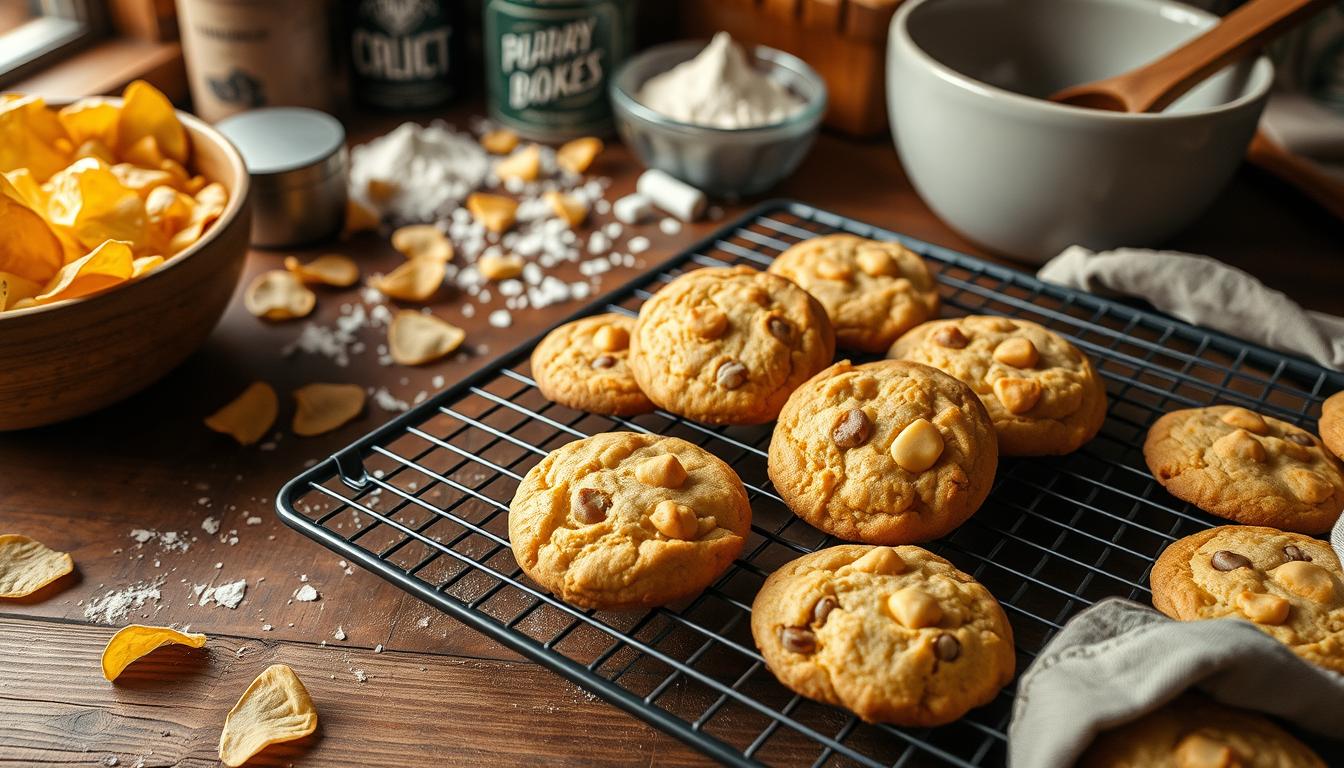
407 686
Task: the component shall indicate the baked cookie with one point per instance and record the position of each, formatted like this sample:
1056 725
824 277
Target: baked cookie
1253 469
726 345
1042 393
1195 732
1287 584
891 452
625 520
582 365
893 634
1331 425
873 291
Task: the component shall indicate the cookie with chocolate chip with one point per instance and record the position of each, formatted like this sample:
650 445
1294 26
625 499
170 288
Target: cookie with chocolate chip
1043 394
1288 585
893 634
727 345
1246 467
873 291
1331 425
891 452
624 520
583 365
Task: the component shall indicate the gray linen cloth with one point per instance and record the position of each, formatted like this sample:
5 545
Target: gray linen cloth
1200 290
1119 660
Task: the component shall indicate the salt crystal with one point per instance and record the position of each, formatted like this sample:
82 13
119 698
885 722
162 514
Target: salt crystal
423 622
378 648
436 382
253 520
266 627
360 675
389 402
501 318
638 244
669 226
210 525
306 594
339 634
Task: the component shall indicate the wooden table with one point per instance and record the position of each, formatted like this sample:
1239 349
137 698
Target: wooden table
435 693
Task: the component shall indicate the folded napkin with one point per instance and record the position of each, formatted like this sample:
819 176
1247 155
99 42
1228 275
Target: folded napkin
1202 291
1119 660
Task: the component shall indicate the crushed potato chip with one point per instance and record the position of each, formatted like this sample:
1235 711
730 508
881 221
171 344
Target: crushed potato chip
324 407
327 269
575 156
136 640
568 207
496 212
275 708
278 295
359 218
249 416
500 141
414 280
524 165
147 113
422 240
415 338
27 565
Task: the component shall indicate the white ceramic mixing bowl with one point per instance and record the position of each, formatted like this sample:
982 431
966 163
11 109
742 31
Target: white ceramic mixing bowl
966 81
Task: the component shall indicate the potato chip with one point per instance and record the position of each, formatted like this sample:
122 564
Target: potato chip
524 165
136 640
425 240
95 148
210 202
380 191
90 203
496 212
575 156
278 295
327 269
14 289
324 407
568 207
415 338
145 112
501 141
105 266
28 134
496 267
28 247
92 119
30 192
142 180
144 152
414 280
27 565
145 264
248 416
275 708
175 169
359 218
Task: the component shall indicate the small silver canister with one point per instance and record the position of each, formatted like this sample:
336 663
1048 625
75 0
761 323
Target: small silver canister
298 163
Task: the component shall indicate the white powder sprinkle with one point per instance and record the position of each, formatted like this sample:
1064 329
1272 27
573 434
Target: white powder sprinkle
501 318
306 594
339 634
113 606
669 226
253 520
210 525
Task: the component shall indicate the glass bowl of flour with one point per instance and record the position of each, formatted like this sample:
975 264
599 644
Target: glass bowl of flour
731 122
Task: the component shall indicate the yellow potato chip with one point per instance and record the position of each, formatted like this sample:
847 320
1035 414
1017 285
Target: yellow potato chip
380 191
14 289
499 142
324 407
496 212
28 247
175 169
415 338
30 192
144 152
144 265
524 165
90 203
105 266
359 218
249 416
28 135
145 112
95 148
425 240
136 640
93 119
142 180
26 565
414 280
575 156
278 295
327 269
210 202
568 207
275 708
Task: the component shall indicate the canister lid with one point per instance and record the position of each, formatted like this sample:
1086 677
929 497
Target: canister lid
290 145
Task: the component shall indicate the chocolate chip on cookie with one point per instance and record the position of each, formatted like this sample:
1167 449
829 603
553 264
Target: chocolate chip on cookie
582 365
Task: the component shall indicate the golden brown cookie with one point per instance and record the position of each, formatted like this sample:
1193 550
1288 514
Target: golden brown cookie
873 291
1195 732
893 634
1331 425
1287 584
1040 390
1253 469
583 365
726 345
625 520
891 452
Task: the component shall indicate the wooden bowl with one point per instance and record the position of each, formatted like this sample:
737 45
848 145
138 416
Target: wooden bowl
72 358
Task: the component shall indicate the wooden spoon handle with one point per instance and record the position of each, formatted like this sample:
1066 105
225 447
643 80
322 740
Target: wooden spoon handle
1241 31
1268 156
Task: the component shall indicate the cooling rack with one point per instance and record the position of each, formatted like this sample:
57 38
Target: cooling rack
423 502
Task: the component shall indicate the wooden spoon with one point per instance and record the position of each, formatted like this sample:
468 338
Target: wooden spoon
1153 86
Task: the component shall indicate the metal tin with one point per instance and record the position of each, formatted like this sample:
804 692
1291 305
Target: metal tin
298 163
404 55
547 64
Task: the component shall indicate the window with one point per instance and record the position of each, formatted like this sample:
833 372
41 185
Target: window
34 33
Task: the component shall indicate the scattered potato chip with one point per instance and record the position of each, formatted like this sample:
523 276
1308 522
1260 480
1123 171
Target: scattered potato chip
495 267
500 141
27 565
327 269
575 156
147 113
425 240
414 280
91 120
496 212
275 708
525 164
278 295
381 191
248 416
358 218
415 338
136 640
105 266
28 247
568 207
324 407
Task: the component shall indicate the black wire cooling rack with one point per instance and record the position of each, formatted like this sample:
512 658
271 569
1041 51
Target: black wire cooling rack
423 502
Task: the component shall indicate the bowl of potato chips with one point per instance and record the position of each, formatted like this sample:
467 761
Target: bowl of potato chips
123 230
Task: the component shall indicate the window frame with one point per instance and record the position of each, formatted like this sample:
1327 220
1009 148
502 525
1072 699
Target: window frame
58 29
